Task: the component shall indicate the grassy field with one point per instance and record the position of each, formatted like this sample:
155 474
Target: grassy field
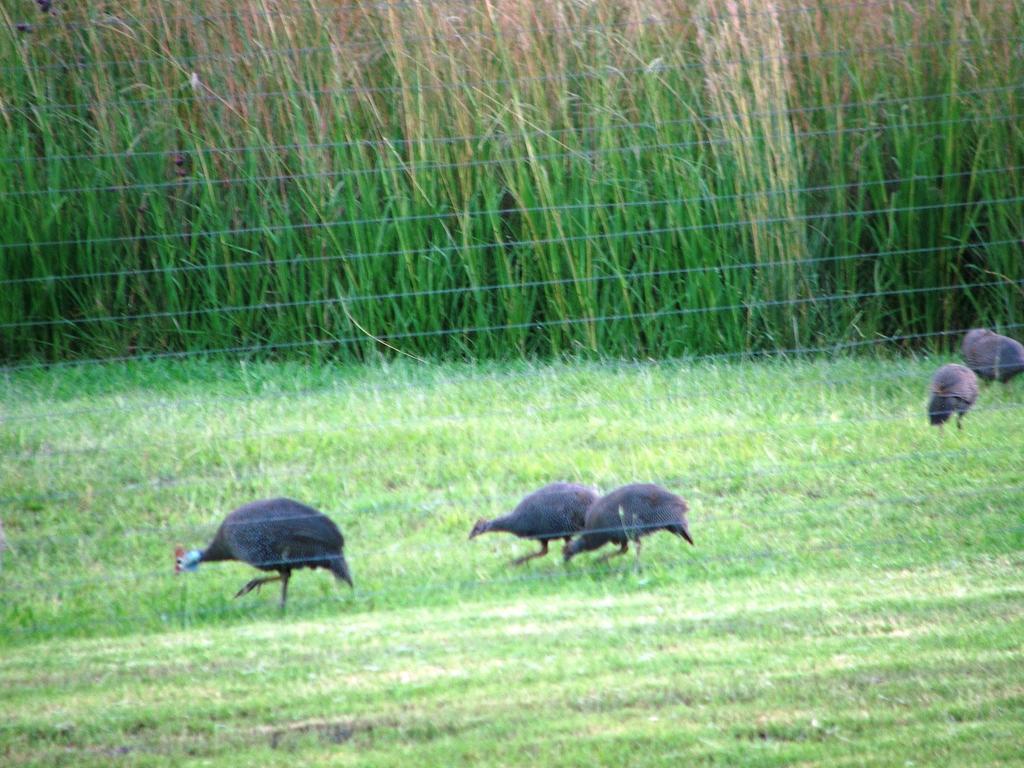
854 595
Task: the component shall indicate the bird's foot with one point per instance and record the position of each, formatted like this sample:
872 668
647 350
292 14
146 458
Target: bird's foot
255 584
526 558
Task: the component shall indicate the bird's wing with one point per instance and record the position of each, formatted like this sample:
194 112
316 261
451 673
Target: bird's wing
315 536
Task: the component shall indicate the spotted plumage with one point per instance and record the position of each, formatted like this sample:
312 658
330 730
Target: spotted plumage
991 356
954 389
274 535
556 511
628 513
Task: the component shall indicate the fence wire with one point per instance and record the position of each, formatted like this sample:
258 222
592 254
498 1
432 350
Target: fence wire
186 183
801 458
561 322
528 284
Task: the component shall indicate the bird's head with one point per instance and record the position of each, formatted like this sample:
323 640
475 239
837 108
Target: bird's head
341 571
186 561
684 523
480 527
572 549
684 531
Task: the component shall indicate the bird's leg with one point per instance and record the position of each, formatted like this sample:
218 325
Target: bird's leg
285 575
524 558
255 584
621 551
636 559
959 416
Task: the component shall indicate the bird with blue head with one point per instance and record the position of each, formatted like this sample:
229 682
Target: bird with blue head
273 535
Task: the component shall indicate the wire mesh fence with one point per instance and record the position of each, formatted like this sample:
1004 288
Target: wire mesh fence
316 215
407 262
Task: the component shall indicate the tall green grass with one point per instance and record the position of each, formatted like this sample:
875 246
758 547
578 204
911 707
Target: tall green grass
259 173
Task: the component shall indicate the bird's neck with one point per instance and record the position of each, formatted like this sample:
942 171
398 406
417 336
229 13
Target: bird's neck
500 524
213 553
217 550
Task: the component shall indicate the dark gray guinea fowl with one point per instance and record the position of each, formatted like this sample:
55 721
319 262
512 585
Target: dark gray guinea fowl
274 535
992 356
954 389
556 511
627 513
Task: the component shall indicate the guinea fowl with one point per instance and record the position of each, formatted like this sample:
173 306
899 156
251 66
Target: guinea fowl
992 356
274 535
954 389
556 511
628 513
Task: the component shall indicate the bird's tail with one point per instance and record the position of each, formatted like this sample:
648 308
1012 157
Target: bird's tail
1009 362
339 568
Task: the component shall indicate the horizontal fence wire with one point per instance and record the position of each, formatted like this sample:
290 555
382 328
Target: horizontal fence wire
190 182
211 97
312 225
313 259
559 322
522 285
115 20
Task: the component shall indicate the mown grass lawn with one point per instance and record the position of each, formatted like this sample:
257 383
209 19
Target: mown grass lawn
854 596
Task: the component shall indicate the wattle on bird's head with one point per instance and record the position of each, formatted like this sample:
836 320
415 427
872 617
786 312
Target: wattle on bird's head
186 561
